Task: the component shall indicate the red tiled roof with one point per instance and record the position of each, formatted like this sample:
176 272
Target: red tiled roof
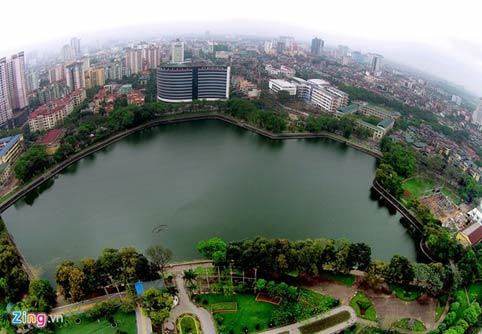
51 136
50 108
476 236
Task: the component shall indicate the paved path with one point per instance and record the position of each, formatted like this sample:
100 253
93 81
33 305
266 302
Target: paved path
84 305
186 306
293 328
144 325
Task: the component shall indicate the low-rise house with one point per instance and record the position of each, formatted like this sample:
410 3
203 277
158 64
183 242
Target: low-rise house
51 140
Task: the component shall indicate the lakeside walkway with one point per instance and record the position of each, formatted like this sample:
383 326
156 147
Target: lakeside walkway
294 328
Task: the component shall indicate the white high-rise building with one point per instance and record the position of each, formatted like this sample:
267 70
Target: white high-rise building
32 81
5 109
67 53
17 84
177 52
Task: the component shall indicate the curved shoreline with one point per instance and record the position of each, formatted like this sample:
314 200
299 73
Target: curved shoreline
52 172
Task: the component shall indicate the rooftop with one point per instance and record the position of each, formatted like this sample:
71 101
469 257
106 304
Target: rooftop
6 143
51 137
283 83
349 109
386 123
473 233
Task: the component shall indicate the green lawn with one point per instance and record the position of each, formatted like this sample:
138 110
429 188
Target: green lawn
405 294
188 324
325 323
250 312
347 280
417 186
363 306
126 323
413 325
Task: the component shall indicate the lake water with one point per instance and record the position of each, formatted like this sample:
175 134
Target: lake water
178 184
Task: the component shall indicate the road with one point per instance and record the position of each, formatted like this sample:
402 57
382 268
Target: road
293 328
186 306
144 325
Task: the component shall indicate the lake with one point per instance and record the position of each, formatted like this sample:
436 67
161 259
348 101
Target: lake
178 184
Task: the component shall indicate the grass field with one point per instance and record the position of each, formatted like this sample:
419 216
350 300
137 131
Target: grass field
250 312
347 280
363 306
325 323
413 325
405 294
126 322
416 187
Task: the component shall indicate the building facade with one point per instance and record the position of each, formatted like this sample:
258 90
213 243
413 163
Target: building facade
276 86
74 75
5 109
17 83
188 83
177 52
317 46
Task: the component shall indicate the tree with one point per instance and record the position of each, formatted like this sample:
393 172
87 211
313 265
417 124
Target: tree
214 249
156 305
375 273
189 275
71 281
41 296
400 270
34 161
400 158
359 256
160 256
389 179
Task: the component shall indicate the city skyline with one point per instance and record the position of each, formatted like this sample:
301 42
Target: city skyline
405 37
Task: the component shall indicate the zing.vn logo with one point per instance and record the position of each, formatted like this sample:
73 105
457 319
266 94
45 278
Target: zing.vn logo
38 320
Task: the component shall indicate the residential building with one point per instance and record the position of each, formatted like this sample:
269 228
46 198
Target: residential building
317 46
67 53
94 77
375 61
177 52
17 84
5 108
475 215
198 82
51 92
32 81
75 47
471 235
50 114
152 56
133 60
56 73
74 75
276 85
136 97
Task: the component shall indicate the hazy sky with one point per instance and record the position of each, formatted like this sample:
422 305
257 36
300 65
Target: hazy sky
441 37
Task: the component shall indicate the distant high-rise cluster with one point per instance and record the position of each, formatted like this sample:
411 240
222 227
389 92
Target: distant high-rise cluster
317 45
13 86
